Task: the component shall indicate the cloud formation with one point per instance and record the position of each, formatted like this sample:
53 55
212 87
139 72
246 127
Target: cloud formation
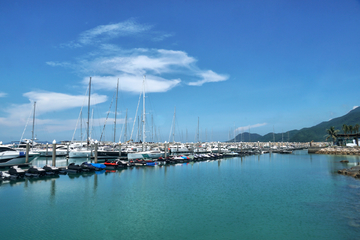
45 102
132 83
165 69
103 33
2 94
246 128
208 76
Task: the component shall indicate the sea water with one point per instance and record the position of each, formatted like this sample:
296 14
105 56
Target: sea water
270 196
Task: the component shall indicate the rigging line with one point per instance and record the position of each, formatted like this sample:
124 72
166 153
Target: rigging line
122 129
132 130
92 123
25 126
107 115
171 128
77 122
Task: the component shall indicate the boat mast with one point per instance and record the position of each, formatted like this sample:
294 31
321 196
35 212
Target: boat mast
198 131
125 132
81 136
117 91
152 128
174 125
88 118
33 127
144 138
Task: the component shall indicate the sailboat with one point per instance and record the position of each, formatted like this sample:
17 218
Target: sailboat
82 150
145 154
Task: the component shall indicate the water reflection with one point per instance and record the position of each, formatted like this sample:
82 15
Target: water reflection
52 189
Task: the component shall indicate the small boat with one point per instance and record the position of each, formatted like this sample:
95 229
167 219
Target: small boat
115 164
72 167
87 167
34 171
4 176
99 166
17 172
51 170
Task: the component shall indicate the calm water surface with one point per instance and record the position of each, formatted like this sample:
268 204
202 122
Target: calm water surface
297 196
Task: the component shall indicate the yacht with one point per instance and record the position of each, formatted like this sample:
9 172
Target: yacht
12 156
154 154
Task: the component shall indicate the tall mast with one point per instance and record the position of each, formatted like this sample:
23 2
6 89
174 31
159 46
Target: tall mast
33 127
81 136
174 125
125 132
152 128
198 139
117 91
138 130
144 138
88 118
273 134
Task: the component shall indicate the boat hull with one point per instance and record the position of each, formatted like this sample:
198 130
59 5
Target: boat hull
145 155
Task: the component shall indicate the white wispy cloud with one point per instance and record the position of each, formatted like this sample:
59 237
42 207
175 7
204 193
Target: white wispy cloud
246 128
2 94
130 65
133 83
165 69
58 64
162 37
104 33
209 76
45 102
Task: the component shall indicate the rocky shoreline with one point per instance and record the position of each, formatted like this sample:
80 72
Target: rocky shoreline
352 172
339 150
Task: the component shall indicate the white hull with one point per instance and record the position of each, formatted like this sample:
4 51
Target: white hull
49 153
145 155
14 161
80 154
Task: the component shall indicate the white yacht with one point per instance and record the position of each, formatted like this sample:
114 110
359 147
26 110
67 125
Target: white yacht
80 153
154 154
61 150
179 148
12 156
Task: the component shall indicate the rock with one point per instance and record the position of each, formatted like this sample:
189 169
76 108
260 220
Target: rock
344 161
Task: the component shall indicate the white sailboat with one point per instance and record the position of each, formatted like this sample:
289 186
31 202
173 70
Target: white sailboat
79 150
145 154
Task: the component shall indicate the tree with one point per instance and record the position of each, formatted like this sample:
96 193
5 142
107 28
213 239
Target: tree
356 128
332 133
350 129
345 128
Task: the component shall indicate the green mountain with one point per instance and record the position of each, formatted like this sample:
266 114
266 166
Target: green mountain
316 133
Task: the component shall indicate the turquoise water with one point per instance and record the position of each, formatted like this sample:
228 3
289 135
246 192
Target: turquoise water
297 196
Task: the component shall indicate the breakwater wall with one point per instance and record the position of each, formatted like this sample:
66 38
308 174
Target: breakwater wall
336 150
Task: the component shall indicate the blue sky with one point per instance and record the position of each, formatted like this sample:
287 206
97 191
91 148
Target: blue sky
266 65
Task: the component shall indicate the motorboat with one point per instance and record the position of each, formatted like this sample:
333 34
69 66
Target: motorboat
87 167
4 176
51 170
16 172
152 154
115 164
34 171
76 168
10 156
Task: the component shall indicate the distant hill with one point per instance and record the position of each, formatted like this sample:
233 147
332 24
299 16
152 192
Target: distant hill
316 133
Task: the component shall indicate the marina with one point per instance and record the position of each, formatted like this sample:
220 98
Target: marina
267 196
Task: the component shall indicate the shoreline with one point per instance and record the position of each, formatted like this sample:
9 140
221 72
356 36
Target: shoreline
336 150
